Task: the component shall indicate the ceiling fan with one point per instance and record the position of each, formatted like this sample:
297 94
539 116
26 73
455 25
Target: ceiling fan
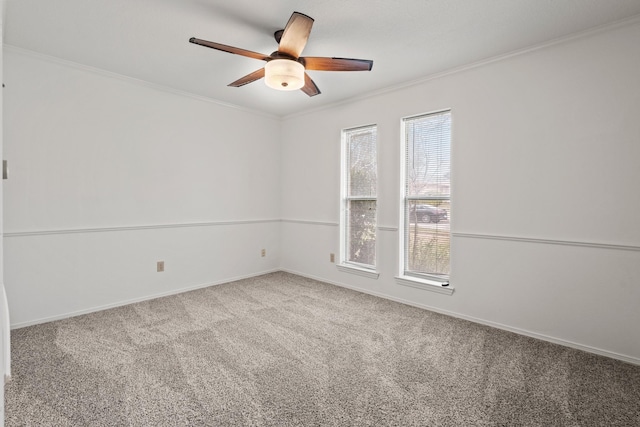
285 68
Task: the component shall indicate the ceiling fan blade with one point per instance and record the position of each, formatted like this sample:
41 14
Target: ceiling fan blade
295 35
256 75
310 87
336 64
230 49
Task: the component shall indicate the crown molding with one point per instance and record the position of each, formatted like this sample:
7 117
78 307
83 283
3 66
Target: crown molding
635 19
132 80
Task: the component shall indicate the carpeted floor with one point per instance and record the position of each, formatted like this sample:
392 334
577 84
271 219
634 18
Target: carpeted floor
282 350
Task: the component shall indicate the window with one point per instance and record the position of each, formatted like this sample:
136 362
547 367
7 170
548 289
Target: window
359 197
426 198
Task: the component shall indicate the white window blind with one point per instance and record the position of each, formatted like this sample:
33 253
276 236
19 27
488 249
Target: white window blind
427 196
360 187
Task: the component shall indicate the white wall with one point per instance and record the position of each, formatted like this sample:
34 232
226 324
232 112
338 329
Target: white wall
546 148
109 176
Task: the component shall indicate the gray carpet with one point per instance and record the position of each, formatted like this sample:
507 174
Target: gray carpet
282 350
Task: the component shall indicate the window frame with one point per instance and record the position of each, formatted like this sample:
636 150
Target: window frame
346 265
432 282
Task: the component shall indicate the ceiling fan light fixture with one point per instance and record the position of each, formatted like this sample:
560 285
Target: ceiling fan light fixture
284 74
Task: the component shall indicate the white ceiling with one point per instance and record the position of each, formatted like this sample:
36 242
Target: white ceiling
406 39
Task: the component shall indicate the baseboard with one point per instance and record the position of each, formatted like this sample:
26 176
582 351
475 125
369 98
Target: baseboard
135 300
565 343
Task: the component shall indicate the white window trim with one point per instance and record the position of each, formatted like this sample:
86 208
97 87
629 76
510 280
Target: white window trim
345 265
358 270
425 282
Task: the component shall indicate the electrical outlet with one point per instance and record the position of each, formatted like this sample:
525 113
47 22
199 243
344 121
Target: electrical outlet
160 266
263 253
332 258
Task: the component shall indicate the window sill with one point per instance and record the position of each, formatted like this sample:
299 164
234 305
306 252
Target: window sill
364 272
427 285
